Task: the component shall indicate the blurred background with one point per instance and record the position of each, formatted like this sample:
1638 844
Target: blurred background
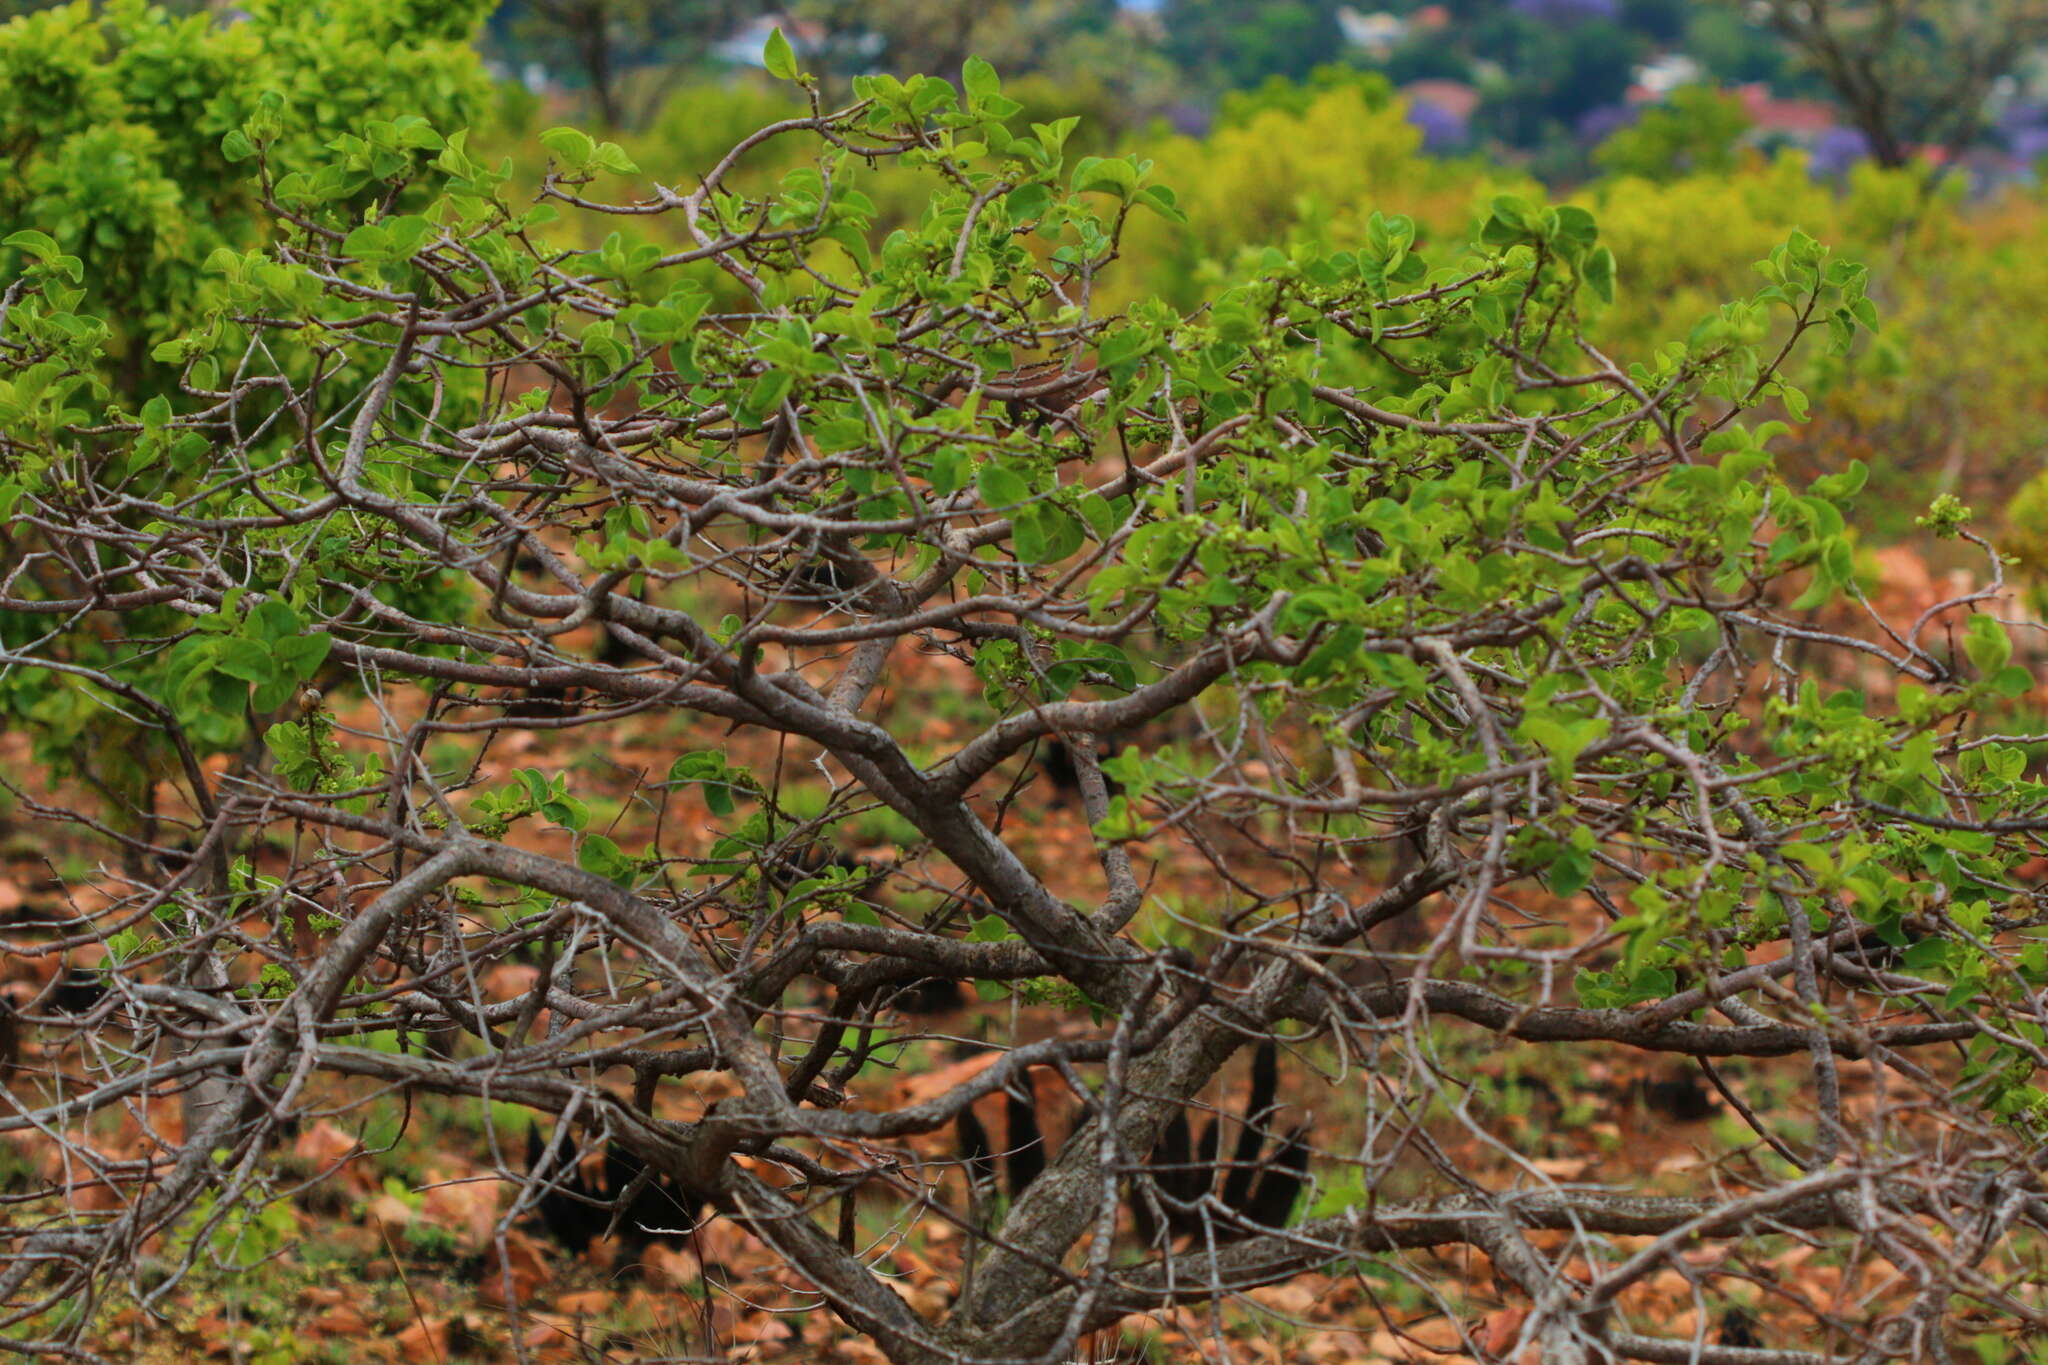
1907 134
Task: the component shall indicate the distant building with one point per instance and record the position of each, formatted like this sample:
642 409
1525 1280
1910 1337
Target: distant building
1379 33
1800 121
1567 11
1455 98
1441 131
1835 151
1376 34
1443 111
1658 77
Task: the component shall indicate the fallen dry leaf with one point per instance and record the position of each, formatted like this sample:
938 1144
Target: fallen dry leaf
469 1208
522 1267
425 1340
391 1211
340 1322
916 1269
584 1303
931 1084
553 1337
1501 1329
672 1266
1295 1300
326 1144
510 981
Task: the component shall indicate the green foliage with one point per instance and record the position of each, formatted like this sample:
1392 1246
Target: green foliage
1290 166
123 130
777 58
1361 493
1299 98
2027 541
1693 133
235 1236
719 779
135 172
1244 44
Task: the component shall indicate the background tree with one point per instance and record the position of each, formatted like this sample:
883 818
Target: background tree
1375 550
1696 131
112 139
607 43
932 37
1912 73
1554 62
1238 45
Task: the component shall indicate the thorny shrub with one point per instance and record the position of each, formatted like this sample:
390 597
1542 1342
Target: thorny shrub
1502 687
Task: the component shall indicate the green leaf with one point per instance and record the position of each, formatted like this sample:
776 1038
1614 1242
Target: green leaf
567 811
273 620
989 929
778 56
1564 740
274 982
302 655
600 855
245 659
1161 201
287 741
932 94
369 242
1597 270
1123 346
719 779
612 157
1987 644
1570 873
40 245
980 79
1045 533
1509 222
272 695
1332 653
696 767
1001 487
1575 233
1929 954
1101 517
1844 483
571 145
1105 174
1513 210
1028 202
2012 681
766 395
